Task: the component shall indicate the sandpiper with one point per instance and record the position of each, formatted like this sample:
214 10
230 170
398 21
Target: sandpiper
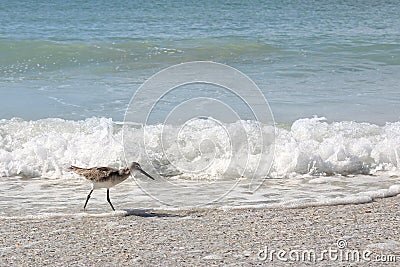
106 177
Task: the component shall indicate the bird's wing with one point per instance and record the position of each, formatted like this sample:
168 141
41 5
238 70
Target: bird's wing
106 171
95 173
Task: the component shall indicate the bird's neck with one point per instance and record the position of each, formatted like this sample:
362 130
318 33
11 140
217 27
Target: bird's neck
124 171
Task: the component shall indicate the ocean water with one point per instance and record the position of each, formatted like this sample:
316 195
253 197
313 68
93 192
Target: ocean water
329 70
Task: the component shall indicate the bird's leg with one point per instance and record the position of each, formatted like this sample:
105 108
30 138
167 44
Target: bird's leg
87 199
108 199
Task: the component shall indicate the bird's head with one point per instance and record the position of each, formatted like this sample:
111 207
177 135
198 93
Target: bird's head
135 167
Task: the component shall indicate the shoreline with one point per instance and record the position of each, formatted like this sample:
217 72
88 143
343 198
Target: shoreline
238 237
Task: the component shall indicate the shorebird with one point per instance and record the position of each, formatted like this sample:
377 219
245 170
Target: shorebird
106 177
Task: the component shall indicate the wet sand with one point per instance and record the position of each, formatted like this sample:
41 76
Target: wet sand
237 237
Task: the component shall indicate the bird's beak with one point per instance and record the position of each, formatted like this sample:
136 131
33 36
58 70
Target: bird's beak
145 173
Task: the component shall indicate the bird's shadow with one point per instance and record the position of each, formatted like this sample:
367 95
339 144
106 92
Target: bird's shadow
148 213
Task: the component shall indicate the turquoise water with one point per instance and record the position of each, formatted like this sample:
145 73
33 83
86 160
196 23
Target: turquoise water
79 59
329 69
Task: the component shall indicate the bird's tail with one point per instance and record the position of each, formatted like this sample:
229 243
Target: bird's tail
74 168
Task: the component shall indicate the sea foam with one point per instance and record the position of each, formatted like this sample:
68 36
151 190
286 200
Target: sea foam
310 146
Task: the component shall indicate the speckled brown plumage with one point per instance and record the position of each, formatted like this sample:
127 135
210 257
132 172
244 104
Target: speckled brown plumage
100 174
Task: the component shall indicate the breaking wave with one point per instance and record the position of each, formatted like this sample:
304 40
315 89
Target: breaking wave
311 146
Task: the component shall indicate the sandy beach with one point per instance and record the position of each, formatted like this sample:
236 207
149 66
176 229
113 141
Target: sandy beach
368 234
